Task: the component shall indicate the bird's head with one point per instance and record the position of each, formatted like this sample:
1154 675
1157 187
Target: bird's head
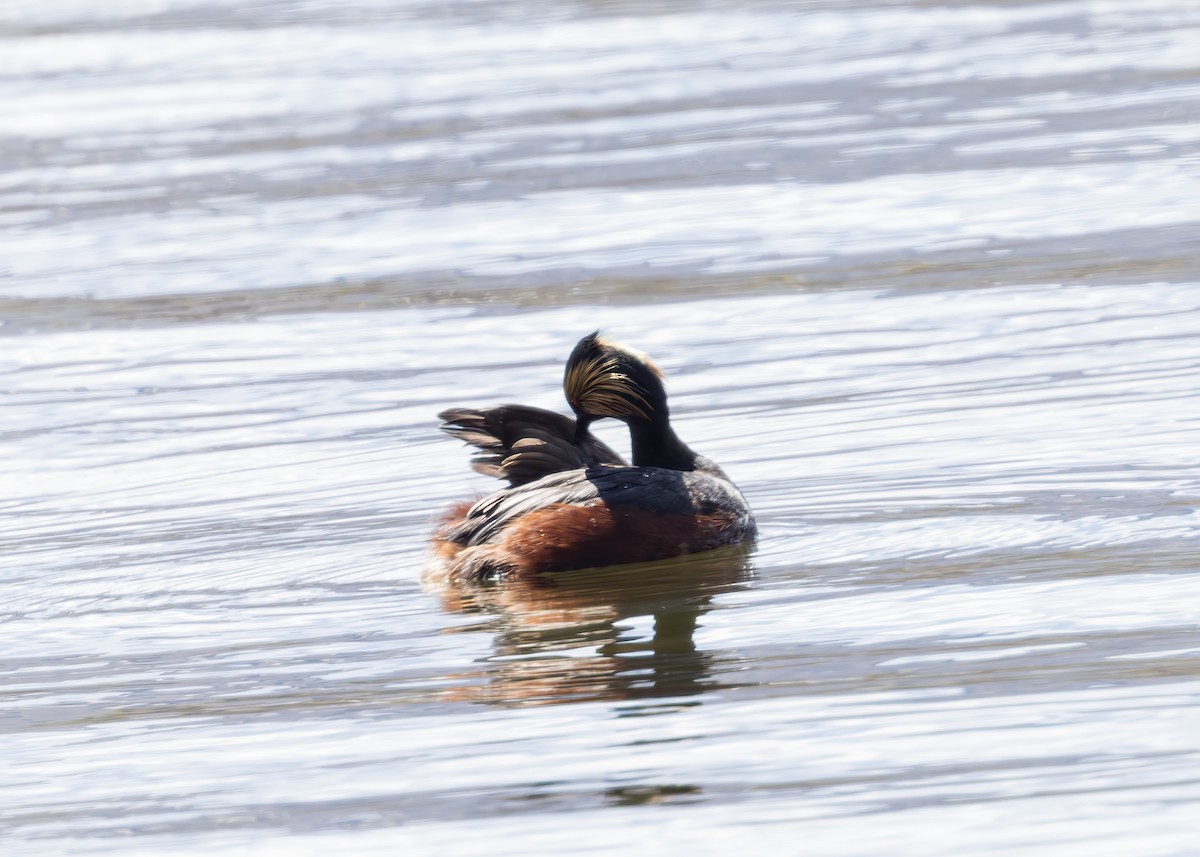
606 379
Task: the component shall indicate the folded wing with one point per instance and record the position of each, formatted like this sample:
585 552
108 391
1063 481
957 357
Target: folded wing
522 444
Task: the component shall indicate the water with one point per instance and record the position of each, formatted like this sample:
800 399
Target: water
925 281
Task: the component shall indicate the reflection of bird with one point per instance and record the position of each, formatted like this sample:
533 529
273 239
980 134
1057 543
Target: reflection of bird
572 502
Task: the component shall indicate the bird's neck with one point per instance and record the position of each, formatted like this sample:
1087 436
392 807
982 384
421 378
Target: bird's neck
655 444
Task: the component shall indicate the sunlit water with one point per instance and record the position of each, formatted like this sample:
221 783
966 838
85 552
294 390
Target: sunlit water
925 280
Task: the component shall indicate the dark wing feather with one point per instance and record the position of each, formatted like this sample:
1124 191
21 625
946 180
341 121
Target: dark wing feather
521 444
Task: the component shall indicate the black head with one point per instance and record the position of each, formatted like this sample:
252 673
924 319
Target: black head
604 379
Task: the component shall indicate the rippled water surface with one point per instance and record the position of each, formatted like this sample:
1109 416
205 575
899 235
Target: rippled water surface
925 279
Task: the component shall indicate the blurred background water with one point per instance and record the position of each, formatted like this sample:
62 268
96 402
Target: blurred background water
925 279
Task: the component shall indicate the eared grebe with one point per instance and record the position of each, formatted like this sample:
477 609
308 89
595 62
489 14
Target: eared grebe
574 503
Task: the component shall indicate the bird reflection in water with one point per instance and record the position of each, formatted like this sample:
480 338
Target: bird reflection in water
576 637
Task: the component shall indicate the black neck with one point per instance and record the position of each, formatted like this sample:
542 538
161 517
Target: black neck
655 444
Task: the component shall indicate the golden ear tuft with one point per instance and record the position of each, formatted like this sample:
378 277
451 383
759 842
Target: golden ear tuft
597 386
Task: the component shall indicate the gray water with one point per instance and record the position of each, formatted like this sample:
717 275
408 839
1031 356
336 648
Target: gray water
925 280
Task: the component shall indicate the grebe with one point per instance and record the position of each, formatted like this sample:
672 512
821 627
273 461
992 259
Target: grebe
572 502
